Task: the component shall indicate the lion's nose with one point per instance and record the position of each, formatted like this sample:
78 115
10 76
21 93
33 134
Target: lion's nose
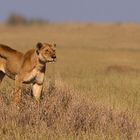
54 56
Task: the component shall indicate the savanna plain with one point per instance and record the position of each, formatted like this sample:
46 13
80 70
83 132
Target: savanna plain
92 92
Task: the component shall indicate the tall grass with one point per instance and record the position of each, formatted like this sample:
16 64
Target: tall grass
63 114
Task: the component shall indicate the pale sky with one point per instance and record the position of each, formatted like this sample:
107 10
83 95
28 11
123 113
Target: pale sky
74 10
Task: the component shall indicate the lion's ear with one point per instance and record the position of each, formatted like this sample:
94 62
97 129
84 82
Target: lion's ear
39 46
54 45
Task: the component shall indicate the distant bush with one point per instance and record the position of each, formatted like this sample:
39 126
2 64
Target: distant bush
16 19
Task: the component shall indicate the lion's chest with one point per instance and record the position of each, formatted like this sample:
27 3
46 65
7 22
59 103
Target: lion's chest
35 76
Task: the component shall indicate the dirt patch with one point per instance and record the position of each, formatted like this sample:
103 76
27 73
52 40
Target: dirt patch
121 69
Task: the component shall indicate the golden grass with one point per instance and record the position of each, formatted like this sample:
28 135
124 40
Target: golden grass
62 114
100 61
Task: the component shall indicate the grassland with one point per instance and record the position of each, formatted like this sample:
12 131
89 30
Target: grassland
98 62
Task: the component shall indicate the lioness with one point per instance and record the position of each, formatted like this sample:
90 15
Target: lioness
26 68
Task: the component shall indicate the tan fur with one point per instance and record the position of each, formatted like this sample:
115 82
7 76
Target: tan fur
26 68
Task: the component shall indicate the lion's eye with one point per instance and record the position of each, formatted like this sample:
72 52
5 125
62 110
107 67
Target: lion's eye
47 50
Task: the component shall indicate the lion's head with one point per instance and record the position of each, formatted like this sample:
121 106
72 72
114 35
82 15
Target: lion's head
46 52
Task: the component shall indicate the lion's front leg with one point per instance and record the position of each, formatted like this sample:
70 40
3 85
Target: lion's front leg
17 91
37 89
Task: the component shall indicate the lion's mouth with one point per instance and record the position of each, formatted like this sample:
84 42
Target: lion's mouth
52 60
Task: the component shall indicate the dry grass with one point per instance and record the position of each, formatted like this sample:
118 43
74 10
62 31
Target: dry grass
99 63
63 113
